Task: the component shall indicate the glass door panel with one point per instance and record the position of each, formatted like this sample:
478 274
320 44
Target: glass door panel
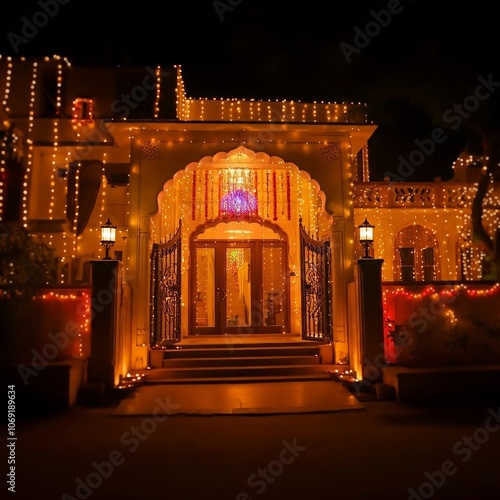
273 285
238 286
205 287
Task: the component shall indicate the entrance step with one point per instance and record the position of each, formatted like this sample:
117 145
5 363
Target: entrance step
212 363
237 361
220 351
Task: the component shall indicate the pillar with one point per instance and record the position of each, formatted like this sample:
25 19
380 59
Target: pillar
105 297
371 321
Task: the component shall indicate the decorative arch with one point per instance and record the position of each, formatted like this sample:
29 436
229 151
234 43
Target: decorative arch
221 220
283 193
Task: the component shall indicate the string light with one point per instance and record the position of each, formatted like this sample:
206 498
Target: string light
398 207
81 301
53 176
216 109
274 191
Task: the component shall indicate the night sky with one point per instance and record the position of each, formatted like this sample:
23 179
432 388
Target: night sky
412 63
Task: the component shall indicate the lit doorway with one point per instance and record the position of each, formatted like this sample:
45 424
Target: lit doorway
240 286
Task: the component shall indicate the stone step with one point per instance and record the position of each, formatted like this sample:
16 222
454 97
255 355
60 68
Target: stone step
161 374
240 361
225 379
219 351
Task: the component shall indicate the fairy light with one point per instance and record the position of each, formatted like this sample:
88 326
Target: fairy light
102 216
216 109
158 91
55 144
440 219
29 159
8 81
77 208
75 298
82 112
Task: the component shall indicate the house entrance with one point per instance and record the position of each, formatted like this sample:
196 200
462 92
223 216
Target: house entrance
240 286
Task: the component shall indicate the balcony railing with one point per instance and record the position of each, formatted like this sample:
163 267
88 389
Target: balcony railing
420 195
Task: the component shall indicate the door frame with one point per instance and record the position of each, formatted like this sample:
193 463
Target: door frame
257 292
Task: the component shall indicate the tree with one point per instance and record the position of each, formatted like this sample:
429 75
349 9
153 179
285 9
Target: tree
452 77
490 172
25 265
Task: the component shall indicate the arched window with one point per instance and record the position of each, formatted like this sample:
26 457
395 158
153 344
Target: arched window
416 255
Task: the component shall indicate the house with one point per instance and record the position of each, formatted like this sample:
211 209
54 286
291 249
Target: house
232 216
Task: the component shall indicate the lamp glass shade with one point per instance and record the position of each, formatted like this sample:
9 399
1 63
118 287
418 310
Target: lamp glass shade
108 233
366 231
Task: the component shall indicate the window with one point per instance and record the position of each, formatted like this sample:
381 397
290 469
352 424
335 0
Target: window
428 264
82 112
407 257
415 255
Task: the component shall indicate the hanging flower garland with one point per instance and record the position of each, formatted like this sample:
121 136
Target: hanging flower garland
275 201
288 207
206 195
193 198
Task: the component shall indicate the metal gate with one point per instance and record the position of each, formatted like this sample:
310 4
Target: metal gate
315 287
166 291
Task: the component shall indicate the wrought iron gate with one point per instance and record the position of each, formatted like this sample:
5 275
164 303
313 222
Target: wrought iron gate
166 291
315 287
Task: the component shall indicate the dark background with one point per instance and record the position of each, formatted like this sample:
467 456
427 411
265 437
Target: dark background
427 59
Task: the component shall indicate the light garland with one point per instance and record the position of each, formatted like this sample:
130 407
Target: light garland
470 290
84 325
55 143
214 109
395 206
82 112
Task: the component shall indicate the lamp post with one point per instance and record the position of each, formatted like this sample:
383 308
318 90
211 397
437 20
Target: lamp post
108 237
366 236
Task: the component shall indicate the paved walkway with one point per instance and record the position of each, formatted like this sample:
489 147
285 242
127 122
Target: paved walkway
387 451
246 398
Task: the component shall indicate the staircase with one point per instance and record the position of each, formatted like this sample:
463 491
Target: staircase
245 362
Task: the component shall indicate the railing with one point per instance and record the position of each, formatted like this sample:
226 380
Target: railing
419 195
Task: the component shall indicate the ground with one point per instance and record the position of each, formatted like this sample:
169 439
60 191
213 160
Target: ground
379 451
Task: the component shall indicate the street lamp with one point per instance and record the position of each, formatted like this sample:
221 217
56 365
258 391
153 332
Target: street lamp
108 237
366 236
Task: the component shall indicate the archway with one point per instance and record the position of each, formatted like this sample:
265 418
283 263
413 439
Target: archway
240 187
